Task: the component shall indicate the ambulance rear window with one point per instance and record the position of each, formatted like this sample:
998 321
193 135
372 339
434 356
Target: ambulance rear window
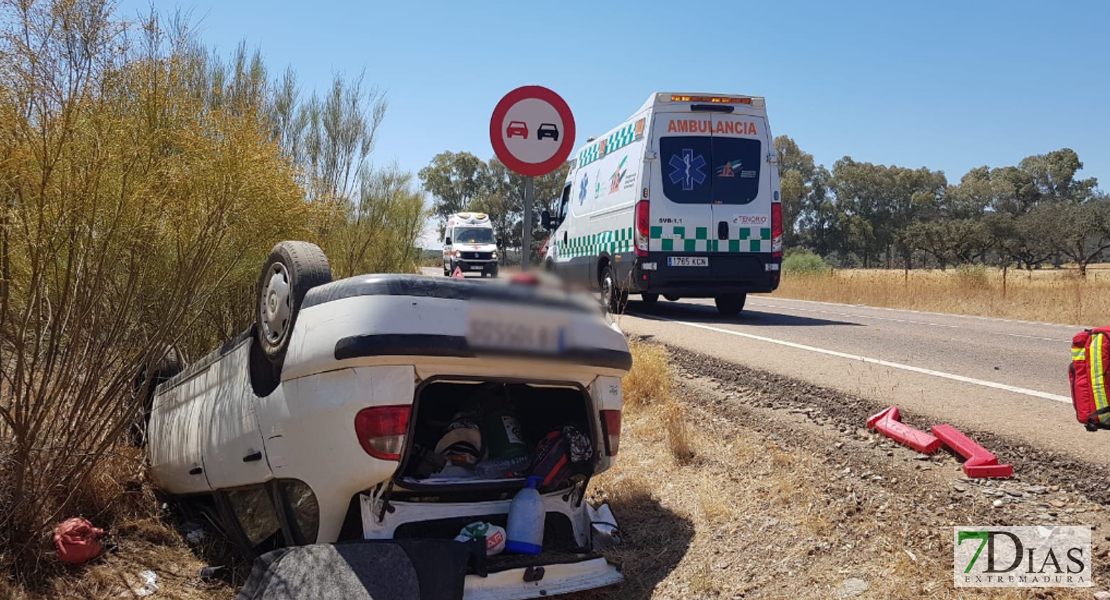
736 163
687 163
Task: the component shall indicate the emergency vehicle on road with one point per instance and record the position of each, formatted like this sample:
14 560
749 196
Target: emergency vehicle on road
469 244
679 200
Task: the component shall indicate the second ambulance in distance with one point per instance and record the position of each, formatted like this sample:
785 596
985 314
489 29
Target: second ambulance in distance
469 245
679 200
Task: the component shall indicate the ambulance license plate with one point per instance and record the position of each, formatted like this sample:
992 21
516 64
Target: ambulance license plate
687 261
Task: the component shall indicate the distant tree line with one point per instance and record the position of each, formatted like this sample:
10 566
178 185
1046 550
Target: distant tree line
863 214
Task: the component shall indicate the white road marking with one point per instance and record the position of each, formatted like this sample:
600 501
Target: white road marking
907 321
874 361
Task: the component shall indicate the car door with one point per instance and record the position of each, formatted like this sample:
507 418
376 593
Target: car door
231 439
681 214
741 184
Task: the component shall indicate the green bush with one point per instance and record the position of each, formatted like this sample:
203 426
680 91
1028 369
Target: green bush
804 261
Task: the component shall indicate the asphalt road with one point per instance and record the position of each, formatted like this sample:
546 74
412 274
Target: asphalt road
1006 377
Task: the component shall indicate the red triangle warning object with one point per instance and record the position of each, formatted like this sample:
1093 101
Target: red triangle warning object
458 274
727 170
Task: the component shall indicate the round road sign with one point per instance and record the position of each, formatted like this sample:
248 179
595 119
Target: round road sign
532 130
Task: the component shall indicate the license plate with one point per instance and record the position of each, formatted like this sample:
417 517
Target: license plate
493 328
688 261
475 267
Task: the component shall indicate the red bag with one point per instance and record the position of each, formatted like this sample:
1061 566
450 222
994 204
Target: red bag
1090 394
78 541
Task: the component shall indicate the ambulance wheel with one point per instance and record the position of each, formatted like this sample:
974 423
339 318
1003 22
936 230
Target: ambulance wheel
613 297
730 304
649 298
291 269
672 297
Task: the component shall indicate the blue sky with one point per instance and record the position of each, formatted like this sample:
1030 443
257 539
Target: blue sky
948 85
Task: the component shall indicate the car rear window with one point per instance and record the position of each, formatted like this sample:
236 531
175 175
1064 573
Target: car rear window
736 164
687 165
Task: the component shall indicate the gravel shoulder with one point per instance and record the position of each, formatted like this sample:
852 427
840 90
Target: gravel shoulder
786 494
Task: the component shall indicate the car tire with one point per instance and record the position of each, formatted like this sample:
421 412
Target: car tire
291 269
612 296
730 304
672 297
649 298
493 273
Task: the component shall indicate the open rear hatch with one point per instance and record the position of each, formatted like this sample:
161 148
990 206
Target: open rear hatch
459 426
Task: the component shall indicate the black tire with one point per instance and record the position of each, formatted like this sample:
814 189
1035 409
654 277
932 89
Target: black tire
493 273
730 304
612 296
649 298
672 297
291 269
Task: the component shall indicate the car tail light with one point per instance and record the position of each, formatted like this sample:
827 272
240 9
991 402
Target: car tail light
611 429
642 228
776 230
381 430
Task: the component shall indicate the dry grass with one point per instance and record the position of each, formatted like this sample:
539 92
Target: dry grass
1051 295
649 381
760 511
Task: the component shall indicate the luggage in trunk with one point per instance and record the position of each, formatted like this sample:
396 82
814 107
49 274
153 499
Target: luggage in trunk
477 434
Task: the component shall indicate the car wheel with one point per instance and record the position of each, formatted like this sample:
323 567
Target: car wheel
730 304
613 297
649 298
493 274
291 269
672 297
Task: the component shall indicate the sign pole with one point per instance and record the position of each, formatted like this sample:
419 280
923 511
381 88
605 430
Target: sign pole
526 245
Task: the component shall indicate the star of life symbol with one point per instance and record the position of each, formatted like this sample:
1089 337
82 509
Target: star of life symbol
582 189
687 169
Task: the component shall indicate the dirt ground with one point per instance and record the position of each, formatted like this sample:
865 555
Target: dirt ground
787 495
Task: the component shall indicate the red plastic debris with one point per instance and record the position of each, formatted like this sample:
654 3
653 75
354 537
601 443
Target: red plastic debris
888 423
77 541
980 462
458 274
525 279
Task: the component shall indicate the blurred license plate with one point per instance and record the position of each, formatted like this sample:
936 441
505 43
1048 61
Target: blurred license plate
688 261
505 329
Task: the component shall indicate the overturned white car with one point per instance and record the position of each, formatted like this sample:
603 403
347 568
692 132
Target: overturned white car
371 408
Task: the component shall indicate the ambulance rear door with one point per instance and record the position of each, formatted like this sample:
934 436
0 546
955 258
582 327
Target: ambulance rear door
741 184
681 190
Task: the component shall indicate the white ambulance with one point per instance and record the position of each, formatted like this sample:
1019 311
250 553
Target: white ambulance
469 245
679 200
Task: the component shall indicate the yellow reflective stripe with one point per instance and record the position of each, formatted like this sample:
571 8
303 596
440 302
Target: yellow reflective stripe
1079 354
1098 372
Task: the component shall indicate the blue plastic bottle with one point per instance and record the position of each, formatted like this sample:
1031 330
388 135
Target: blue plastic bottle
526 520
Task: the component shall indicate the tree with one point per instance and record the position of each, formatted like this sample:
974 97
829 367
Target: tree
888 199
801 182
1079 231
454 179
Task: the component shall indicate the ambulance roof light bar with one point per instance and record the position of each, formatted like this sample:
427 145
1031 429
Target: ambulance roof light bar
755 101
